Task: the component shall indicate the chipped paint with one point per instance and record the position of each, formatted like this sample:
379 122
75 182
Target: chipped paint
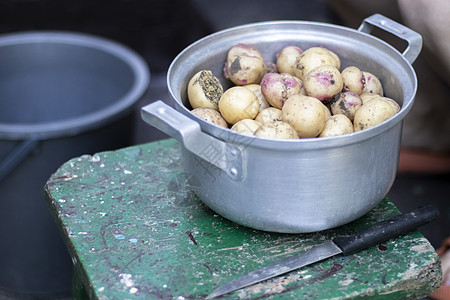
119 236
345 282
95 158
126 279
422 248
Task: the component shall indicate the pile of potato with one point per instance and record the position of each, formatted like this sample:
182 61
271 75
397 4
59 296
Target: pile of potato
302 95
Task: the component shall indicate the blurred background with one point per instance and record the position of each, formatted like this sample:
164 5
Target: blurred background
159 29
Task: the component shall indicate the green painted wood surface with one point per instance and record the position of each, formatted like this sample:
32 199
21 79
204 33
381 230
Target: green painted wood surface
136 231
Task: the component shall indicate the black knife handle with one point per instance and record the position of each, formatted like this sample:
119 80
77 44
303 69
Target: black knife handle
385 230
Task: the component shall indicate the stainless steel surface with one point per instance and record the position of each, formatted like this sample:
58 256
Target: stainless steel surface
302 185
312 255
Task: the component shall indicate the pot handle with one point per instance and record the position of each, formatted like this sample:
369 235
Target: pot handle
413 38
226 156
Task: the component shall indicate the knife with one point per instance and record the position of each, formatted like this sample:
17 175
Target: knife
345 245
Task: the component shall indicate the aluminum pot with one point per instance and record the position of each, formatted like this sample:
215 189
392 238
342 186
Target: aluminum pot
291 186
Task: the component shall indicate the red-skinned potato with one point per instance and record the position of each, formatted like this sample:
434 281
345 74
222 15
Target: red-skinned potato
372 84
204 90
277 88
323 83
353 79
244 65
347 104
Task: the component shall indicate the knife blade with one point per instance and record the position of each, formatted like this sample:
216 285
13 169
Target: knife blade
345 245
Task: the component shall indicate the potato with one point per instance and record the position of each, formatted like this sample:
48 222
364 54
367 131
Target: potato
314 57
372 84
347 104
271 67
353 79
277 88
368 96
302 91
323 83
246 126
336 125
286 59
327 111
269 114
210 115
204 90
305 114
244 65
393 103
276 130
238 103
372 113
256 89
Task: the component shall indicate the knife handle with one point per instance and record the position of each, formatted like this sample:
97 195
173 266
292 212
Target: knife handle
385 230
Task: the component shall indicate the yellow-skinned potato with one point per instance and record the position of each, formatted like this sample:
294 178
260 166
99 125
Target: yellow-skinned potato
269 114
392 102
372 113
210 115
238 103
327 111
353 80
276 130
287 58
244 65
302 91
323 83
246 126
368 96
305 114
314 57
204 90
372 84
336 125
256 89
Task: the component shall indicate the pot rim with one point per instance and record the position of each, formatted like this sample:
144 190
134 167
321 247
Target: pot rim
95 119
228 135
